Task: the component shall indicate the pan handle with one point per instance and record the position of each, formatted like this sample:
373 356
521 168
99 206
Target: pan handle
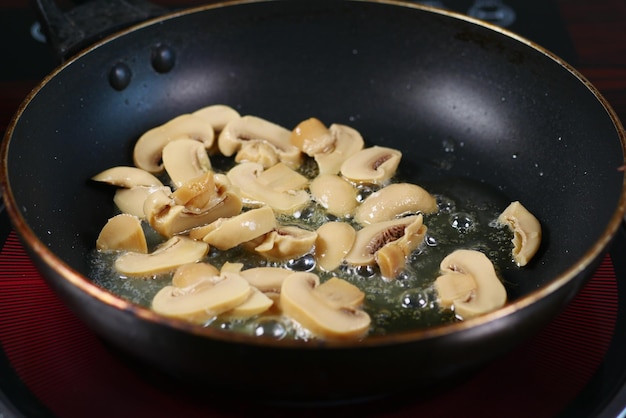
70 31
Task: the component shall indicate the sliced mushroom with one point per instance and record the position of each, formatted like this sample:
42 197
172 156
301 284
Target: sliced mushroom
199 202
245 176
286 242
391 260
188 274
281 178
204 299
392 257
347 141
408 232
168 256
122 233
335 194
266 279
339 293
526 232
312 137
324 317
149 147
185 159
374 165
245 133
469 284
226 233
334 240
131 200
257 303
125 176
217 115
395 200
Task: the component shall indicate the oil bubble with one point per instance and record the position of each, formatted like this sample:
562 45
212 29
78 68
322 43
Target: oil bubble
270 327
430 241
304 263
462 222
414 299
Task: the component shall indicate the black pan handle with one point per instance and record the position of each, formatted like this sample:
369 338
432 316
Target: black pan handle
70 31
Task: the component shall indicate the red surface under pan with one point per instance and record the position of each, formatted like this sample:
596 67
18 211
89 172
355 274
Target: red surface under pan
73 373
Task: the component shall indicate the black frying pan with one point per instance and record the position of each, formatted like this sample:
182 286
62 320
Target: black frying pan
526 126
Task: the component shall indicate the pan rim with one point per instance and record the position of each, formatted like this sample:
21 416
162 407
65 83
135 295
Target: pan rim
85 285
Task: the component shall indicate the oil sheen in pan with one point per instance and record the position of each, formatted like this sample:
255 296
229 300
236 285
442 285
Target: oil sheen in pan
466 219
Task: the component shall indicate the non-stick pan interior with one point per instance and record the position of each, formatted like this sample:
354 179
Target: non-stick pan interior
463 102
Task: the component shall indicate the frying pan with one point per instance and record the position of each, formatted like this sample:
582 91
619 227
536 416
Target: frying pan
524 125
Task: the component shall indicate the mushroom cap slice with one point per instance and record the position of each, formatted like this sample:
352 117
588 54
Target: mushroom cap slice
122 232
204 299
184 160
339 293
335 194
266 279
196 203
246 175
241 132
469 269
131 200
217 115
395 200
256 303
323 316
334 240
526 232
408 232
286 242
168 256
312 137
346 141
188 274
281 178
226 233
149 147
126 176
373 165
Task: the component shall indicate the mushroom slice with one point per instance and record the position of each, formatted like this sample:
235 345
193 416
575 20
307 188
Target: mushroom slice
324 317
185 159
286 242
125 176
266 279
526 232
395 200
347 141
226 233
217 115
188 274
131 200
199 202
374 165
245 176
469 284
122 232
339 293
174 252
312 137
204 299
334 240
256 303
247 131
149 147
282 179
391 260
335 194
407 232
